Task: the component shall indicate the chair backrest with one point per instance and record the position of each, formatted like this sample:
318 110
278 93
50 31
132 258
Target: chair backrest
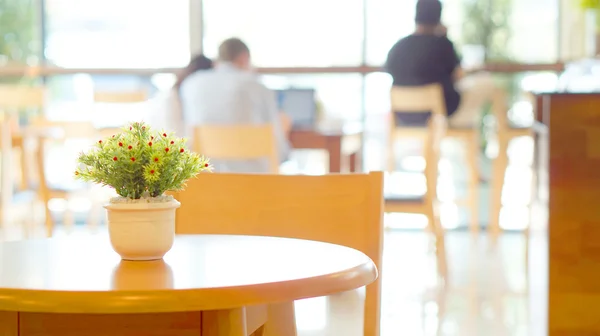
65 129
237 142
339 209
415 99
418 98
120 96
14 97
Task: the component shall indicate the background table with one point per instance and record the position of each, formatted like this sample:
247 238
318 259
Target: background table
81 287
342 142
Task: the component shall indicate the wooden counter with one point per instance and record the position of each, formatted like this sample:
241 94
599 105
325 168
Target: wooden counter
573 171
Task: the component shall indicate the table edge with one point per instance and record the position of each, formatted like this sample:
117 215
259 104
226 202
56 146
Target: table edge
182 300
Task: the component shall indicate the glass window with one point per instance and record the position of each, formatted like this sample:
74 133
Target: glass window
71 97
543 34
340 95
387 22
501 28
19 26
288 33
117 34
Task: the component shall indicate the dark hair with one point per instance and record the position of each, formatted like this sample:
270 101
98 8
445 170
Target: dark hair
231 49
197 63
429 12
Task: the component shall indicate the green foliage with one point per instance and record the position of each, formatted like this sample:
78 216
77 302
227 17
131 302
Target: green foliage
19 36
139 162
487 25
589 4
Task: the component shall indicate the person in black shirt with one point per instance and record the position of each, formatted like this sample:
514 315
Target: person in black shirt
427 56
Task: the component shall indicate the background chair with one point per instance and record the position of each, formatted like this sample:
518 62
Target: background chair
119 99
238 142
505 133
339 209
61 133
423 98
14 100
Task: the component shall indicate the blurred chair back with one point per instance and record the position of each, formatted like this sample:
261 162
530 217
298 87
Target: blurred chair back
120 97
339 209
237 142
61 130
14 97
410 99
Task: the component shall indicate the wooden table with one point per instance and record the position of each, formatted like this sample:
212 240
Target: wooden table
206 285
343 143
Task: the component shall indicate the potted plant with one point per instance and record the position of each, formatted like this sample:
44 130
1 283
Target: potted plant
141 165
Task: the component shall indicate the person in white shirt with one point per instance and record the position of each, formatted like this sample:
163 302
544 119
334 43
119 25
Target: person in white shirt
231 94
165 108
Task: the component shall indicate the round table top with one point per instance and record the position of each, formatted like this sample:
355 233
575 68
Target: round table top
201 272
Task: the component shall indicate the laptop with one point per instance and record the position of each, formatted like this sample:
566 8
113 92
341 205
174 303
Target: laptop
300 105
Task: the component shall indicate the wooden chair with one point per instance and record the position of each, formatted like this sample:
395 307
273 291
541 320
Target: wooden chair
118 97
237 142
425 98
339 209
431 98
505 133
14 99
63 131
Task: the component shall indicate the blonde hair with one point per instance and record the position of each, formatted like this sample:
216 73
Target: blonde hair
231 49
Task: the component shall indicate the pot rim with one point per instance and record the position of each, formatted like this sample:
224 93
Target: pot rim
171 204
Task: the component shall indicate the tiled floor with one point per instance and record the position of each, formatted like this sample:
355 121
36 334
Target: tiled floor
487 293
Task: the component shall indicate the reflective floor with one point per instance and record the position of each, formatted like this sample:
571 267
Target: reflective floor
487 293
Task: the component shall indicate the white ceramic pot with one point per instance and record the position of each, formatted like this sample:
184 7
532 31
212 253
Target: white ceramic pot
142 231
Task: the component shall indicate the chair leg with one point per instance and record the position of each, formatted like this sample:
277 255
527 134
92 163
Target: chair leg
498 175
435 226
69 219
49 221
473 163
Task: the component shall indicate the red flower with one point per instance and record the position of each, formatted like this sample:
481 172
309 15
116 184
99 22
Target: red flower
129 147
120 144
151 137
152 171
100 141
172 142
155 159
130 128
132 159
167 149
181 150
206 165
150 143
115 158
165 135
